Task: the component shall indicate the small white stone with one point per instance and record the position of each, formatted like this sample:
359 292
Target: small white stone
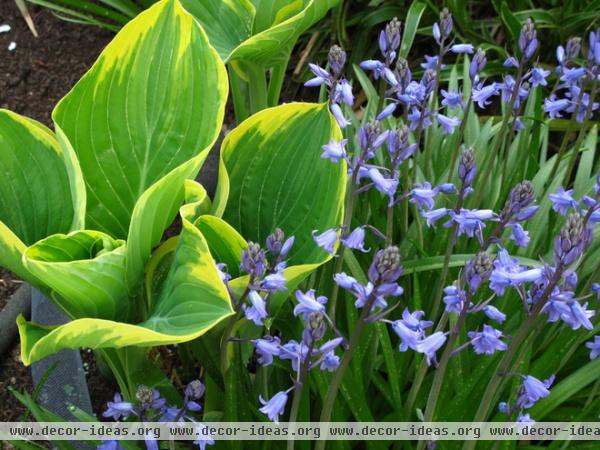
4 28
12 46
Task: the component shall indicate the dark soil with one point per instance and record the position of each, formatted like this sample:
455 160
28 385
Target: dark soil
33 77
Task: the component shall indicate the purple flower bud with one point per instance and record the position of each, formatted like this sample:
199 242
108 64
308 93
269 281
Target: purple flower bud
446 23
339 115
336 59
528 39
477 64
494 313
386 267
387 111
253 260
573 48
344 280
478 270
194 390
462 48
454 299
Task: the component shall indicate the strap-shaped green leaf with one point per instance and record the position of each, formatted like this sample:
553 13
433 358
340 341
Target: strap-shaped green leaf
193 300
154 99
278 178
260 31
36 199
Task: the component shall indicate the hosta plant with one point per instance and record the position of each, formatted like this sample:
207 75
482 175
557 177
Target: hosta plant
389 259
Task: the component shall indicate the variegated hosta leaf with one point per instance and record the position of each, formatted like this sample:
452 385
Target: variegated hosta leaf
86 272
258 31
193 299
278 178
154 99
37 188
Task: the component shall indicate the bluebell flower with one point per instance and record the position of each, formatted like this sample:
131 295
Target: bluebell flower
580 106
344 280
507 272
387 186
330 345
478 63
278 246
330 362
336 59
339 115
466 167
334 150
437 34
205 440
409 338
471 221
503 407
327 239
253 260
462 48
452 99
596 290
554 106
563 200
414 322
423 195
562 306
572 76
454 299
594 347
109 444
511 61
275 406
430 345
387 111
418 116
538 76
321 76
118 409
275 281
308 304
481 94
434 215
343 92
494 313
266 348
448 123
222 270
532 390
519 235
413 94
296 352
431 63
478 270
258 309
524 419
528 39
389 39
486 342
355 240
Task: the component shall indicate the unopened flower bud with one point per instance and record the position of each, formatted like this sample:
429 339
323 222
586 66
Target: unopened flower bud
466 166
144 395
478 270
253 260
337 59
386 266
446 22
528 39
573 48
477 64
194 390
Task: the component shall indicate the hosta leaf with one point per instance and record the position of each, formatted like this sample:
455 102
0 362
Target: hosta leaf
154 99
193 299
227 23
289 21
153 213
87 271
36 198
278 178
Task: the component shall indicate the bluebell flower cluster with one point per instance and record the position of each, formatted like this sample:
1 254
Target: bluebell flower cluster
530 392
150 406
573 95
265 269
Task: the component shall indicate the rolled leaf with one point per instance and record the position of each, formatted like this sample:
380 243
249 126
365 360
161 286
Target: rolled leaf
154 99
193 299
278 178
86 272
